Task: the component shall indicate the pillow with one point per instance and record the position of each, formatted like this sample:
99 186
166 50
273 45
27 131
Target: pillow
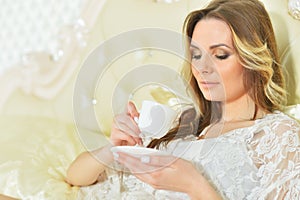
35 154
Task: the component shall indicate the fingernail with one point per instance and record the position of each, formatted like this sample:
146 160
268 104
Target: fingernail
136 119
116 156
141 142
145 159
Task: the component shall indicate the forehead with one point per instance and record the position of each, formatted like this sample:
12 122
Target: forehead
211 31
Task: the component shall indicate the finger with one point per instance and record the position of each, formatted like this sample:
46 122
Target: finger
159 161
127 121
122 138
129 134
146 173
127 124
150 179
122 124
135 165
132 110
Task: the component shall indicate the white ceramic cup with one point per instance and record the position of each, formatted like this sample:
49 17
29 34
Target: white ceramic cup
155 119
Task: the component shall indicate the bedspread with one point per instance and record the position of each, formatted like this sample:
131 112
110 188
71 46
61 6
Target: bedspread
35 153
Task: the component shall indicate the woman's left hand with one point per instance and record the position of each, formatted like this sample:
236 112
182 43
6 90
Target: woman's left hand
168 173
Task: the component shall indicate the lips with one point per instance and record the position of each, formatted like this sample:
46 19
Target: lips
208 84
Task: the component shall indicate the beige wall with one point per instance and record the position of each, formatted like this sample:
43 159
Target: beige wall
119 16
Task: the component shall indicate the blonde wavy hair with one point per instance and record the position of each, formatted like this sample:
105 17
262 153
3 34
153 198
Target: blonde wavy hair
254 41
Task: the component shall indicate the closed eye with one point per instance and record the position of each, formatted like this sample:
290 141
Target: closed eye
223 56
196 57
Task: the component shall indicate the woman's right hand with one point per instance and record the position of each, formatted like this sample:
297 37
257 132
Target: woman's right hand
125 130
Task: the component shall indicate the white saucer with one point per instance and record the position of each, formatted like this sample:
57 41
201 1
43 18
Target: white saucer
138 151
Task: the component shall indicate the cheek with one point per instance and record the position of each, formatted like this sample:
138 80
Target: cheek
231 72
231 77
195 72
232 80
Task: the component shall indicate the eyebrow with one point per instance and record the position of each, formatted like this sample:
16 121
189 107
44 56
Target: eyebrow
212 46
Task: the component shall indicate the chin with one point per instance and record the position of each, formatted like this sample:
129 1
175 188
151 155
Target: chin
213 97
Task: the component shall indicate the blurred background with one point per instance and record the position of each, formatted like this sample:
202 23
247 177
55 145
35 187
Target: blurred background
43 46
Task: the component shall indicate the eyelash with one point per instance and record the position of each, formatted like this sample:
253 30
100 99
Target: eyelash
220 57
196 57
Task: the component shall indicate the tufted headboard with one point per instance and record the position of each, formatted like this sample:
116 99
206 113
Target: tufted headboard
44 87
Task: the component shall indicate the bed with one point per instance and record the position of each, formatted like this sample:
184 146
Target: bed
39 130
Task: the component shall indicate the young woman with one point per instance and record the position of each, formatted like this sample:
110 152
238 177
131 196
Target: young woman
236 143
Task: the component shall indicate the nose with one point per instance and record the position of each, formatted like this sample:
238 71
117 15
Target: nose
203 65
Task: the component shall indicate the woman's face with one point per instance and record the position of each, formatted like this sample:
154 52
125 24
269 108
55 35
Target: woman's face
215 64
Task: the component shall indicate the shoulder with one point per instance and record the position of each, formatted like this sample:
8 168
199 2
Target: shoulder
278 122
278 130
275 151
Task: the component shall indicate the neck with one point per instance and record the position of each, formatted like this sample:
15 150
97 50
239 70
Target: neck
242 109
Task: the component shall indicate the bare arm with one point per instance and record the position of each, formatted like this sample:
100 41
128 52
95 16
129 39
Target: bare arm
87 167
200 188
4 197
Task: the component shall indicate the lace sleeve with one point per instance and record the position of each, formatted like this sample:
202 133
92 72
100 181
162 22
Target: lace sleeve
276 153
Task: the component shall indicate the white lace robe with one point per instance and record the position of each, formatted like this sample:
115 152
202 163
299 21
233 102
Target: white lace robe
257 162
